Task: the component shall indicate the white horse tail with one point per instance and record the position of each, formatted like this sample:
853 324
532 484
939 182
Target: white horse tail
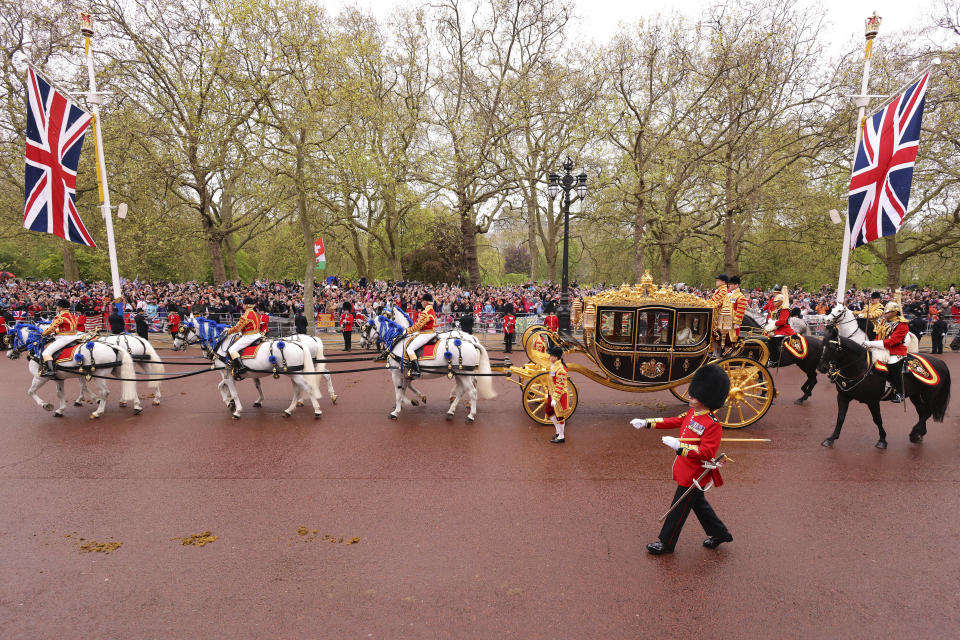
484 381
128 385
155 367
309 369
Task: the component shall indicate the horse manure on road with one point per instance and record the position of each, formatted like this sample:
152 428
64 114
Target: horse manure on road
91 546
198 539
309 535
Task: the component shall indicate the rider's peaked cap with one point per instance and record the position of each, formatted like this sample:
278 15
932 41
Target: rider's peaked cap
710 385
62 302
428 297
723 277
556 352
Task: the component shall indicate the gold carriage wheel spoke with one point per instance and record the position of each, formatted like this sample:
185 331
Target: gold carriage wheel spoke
758 396
754 386
539 407
750 404
740 411
726 419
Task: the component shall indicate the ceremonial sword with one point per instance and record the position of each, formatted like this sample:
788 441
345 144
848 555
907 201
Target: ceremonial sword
717 462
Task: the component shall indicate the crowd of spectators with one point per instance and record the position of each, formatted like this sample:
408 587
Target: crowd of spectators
36 298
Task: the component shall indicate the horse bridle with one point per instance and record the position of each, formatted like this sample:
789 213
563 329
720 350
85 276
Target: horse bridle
835 373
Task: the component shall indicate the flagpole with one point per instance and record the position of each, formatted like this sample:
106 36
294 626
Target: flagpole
93 100
872 27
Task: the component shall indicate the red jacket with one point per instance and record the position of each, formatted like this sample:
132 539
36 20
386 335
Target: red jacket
704 433
895 341
783 324
173 322
552 322
264 322
81 322
509 323
346 321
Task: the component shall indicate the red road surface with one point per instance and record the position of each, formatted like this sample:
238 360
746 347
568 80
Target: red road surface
466 531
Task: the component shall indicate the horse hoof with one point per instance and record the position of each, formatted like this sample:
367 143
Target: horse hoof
392 416
123 404
827 443
423 399
58 414
915 439
469 419
414 403
881 444
47 407
286 414
257 405
333 399
78 404
94 416
156 403
449 417
317 414
235 416
137 411
299 404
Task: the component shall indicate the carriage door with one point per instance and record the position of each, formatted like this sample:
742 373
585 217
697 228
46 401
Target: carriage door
654 346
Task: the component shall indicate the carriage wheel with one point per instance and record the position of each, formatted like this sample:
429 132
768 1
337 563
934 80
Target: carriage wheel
751 393
680 392
536 392
528 332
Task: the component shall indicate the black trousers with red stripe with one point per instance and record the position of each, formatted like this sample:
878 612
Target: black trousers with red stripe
695 501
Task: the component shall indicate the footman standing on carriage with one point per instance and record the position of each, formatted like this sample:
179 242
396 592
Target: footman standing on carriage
556 408
423 331
738 307
695 469
891 346
64 328
245 332
723 317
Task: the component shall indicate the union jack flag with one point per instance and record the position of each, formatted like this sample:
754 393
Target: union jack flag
55 130
883 169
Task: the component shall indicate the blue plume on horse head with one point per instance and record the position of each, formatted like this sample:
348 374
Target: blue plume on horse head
404 314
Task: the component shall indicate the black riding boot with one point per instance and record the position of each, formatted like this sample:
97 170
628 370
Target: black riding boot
895 378
49 370
413 369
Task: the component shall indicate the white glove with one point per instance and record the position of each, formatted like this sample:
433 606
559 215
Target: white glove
707 464
671 442
872 344
640 423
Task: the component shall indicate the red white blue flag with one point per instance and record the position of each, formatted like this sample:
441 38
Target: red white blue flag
55 130
883 169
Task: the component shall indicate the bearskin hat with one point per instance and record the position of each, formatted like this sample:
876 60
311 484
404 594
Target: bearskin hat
723 277
734 279
248 301
428 297
346 306
875 295
710 385
508 308
63 304
555 351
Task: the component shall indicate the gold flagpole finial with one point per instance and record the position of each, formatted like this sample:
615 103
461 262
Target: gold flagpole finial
86 25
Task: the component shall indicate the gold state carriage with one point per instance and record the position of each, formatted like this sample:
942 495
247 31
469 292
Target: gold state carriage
648 338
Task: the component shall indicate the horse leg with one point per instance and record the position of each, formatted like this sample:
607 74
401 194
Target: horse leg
84 393
399 389
421 397
874 407
62 403
103 393
807 387
259 401
923 413
302 388
455 395
471 384
843 403
329 379
38 382
224 392
234 396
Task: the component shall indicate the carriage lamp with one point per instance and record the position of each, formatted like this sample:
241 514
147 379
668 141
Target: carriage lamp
568 182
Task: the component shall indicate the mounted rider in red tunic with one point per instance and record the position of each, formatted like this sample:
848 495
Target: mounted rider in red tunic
64 329
423 330
891 347
778 326
244 333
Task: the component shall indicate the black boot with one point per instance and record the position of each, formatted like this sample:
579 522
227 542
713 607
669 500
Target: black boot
658 548
49 370
413 369
715 541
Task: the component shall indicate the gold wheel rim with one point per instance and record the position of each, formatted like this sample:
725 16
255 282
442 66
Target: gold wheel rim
751 393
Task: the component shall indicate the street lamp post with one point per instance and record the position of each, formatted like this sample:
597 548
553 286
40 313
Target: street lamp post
568 182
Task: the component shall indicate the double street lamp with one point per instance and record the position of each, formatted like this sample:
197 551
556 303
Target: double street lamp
567 182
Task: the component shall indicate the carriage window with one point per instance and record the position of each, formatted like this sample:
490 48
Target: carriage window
653 327
617 326
691 328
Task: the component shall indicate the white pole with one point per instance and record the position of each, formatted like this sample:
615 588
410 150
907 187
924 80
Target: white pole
93 100
873 26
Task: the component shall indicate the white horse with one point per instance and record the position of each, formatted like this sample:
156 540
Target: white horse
273 357
455 353
848 327
314 346
145 358
90 358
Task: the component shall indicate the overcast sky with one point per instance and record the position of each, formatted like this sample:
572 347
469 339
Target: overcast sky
599 19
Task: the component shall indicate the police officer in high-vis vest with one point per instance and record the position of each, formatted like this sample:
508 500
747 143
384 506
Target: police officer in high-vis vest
64 328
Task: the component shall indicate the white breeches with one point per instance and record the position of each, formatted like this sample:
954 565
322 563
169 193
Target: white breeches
58 343
240 342
416 342
879 354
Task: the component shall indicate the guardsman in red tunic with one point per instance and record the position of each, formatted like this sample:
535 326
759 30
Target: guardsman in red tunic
557 402
892 347
173 321
64 326
246 331
423 330
509 328
551 321
696 449
346 325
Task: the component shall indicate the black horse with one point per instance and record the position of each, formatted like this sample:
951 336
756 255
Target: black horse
845 362
780 357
